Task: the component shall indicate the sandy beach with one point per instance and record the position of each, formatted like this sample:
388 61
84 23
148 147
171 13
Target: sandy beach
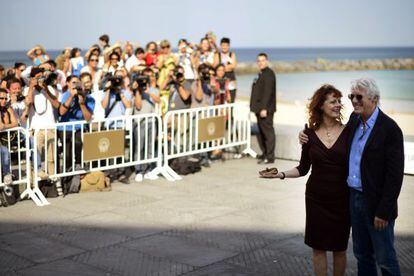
295 114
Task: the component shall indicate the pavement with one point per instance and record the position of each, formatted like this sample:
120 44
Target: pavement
221 221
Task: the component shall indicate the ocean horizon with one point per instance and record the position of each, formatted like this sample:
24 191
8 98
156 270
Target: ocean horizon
248 54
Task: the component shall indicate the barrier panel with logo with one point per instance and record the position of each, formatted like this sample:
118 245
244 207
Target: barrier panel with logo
204 129
76 148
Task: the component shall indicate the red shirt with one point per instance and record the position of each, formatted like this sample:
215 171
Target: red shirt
151 59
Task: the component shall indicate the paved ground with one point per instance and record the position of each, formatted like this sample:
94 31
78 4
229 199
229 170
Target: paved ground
223 221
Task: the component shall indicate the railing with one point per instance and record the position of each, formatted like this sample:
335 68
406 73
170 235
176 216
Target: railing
204 129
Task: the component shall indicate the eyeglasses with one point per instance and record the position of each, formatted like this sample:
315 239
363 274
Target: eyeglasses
164 47
3 98
114 59
357 96
93 60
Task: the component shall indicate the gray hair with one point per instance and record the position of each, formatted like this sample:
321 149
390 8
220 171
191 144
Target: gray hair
368 85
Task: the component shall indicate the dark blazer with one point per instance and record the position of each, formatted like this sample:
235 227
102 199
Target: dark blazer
264 92
382 166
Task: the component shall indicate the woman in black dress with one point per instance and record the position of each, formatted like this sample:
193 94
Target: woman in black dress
327 211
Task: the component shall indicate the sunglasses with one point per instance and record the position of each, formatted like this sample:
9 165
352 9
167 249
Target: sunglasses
357 96
165 47
3 98
94 60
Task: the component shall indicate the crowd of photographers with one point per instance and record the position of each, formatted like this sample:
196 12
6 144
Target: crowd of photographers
109 81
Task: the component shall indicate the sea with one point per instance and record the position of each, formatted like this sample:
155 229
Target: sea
397 87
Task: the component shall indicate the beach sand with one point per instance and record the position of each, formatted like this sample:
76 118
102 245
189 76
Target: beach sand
295 114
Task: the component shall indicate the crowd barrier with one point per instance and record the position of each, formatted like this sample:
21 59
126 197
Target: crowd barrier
204 129
74 148
15 150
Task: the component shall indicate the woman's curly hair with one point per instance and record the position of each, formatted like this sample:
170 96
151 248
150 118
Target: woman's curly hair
316 102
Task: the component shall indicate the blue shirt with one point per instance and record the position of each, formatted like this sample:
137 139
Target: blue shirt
357 148
118 109
75 113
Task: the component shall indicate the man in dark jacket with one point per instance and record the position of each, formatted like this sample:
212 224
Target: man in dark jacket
376 170
263 104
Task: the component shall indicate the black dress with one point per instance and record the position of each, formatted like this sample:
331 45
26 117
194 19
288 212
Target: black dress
327 194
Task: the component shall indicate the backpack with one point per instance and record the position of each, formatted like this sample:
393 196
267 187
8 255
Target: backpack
95 181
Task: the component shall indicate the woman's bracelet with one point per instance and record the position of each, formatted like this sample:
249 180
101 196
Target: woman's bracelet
283 175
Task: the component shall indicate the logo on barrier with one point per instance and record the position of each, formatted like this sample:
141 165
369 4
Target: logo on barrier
210 129
103 145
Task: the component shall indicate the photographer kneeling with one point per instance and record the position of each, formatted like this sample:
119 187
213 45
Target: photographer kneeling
147 96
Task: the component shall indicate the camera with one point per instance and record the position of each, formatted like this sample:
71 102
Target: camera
79 90
178 76
116 82
48 78
142 82
204 72
20 98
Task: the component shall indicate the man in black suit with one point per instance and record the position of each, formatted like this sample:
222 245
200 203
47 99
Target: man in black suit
263 104
375 176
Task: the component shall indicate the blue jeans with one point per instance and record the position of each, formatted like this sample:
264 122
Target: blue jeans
5 160
371 247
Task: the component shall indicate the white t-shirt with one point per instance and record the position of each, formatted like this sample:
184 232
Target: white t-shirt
99 111
19 108
185 61
133 61
42 113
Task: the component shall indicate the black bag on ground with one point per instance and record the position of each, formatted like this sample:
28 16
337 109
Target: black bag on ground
48 188
8 196
183 166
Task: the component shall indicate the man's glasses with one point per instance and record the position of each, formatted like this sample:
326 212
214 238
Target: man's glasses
93 60
357 96
3 98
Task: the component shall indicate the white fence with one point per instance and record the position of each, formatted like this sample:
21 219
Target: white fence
59 151
182 132
15 151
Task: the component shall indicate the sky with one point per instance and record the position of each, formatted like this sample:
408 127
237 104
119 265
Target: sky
256 23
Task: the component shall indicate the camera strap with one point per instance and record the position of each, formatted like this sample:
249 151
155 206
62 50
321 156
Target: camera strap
109 110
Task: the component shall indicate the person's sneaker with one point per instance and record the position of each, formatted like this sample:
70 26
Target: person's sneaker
42 175
265 161
139 177
237 156
260 157
150 176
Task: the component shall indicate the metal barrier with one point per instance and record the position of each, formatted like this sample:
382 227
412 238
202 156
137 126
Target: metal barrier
61 149
182 132
15 152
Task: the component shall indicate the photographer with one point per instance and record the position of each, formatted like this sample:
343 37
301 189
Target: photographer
18 102
147 96
116 100
7 121
220 86
43 100
205 73
76 105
